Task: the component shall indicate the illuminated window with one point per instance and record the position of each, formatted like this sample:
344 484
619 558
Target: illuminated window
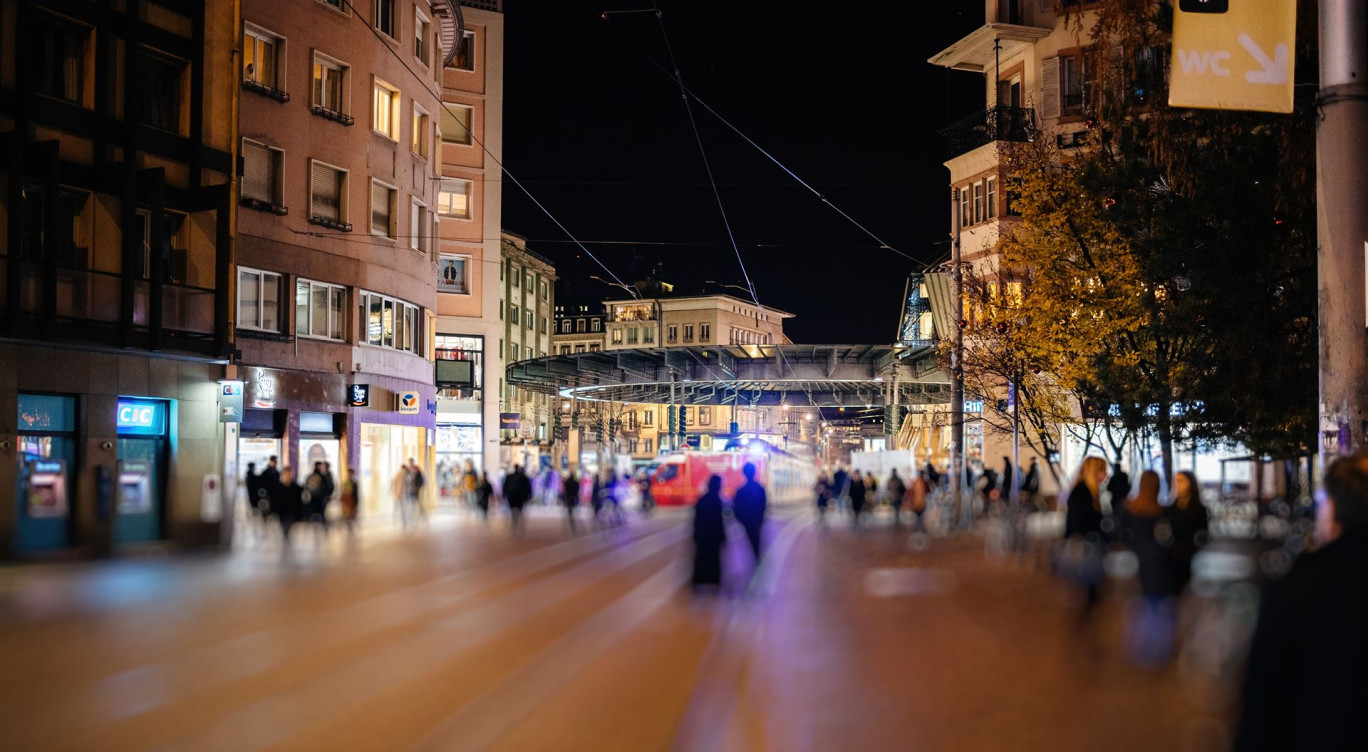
453 200
262 52
385 110
421 132
465 53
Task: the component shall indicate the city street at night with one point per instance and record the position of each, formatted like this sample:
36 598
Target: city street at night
462 638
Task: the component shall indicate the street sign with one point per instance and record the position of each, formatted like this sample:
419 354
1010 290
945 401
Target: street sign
1236 58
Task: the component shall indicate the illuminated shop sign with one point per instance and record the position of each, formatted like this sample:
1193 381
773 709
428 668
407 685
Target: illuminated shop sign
140 417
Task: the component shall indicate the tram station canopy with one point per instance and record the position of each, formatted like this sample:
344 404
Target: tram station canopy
753 375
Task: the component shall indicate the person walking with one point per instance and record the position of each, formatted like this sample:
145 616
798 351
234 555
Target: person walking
470 483
748 506
1080 558
570 497
1147 532
823 490
1303 686
1118 488
916 499
1030 486
413 490
1188 518
709 535
857 496
484 494
517 490
840 487
287 503
350 499
896 490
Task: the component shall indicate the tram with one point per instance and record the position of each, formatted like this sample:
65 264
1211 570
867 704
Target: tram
683 476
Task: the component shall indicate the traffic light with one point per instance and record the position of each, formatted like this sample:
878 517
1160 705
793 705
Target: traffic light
683 419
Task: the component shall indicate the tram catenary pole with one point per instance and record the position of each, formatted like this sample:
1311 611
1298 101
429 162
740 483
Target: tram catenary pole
957 370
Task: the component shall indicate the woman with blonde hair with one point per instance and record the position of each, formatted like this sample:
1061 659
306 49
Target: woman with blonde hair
1148 532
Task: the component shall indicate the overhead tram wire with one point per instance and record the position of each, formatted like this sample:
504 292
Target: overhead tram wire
689 93
470 131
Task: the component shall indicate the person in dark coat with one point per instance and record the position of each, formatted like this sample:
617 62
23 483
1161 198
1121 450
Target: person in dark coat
484 495
1119 487
840 487
1304 685
1030 485
288 502
569 497
1188 518
857 496
748 506
709 534
1146 530
896 490
823 491
517 490
1084 542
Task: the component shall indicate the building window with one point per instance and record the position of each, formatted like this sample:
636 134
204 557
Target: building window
453 200
338 4
465 53
262 166
990 207
175 244
565 326
385 110
579 325
595 325
160 83
966 218
514 313
648 418
420 132
320 310
528 352
579 348
648 445
391 323
978 202
671 334
59 62
258 304
451 274
617 336
648 334
631 446
331 80
516 275
382 209
704 332
385 18
328 195
529 318
704 415
688 332
418 227
1073 84
632 335
263 56
455 123
542 289
421 46
541 326
594 347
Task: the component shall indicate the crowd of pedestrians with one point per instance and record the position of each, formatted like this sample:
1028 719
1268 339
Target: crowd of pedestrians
278 495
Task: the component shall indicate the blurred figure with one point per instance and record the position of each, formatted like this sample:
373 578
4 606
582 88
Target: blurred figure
596 499
1080 558
840 487
644 487
896 489
748 506
288 503
484 495
916 499
257 500
517 489
570 497
857 496
1304 685
871 491
1188 518
1118 488
1149 534
823 491
709 534
470 483
350 501
1030 487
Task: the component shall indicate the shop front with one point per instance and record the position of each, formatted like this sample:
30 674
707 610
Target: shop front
47 459
141 468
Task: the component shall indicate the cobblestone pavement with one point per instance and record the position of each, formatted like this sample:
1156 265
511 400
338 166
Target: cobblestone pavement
461 637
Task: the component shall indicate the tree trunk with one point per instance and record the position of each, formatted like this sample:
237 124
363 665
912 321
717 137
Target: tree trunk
1164 428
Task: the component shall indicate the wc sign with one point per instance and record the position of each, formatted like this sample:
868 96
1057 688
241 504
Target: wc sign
1233 54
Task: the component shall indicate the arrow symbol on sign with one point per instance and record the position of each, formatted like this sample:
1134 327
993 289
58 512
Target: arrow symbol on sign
1274 69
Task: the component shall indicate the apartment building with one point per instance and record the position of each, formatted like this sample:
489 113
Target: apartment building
115 276
529 295
577 328
469 210
337 241
671 321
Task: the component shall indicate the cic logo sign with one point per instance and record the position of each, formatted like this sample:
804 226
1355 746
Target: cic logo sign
138 416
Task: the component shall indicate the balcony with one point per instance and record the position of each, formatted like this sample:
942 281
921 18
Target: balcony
997 123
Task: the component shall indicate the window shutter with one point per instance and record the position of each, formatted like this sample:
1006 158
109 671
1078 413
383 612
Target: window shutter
1049 87
256 172
416 227
326 198
380 209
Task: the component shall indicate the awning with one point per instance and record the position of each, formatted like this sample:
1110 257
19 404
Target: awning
976 52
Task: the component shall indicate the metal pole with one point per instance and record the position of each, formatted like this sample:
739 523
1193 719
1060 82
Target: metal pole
670 421
1342 225
956 370
1014 503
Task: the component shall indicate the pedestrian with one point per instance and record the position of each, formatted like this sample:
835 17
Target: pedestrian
840 487
1304 687
932 475
748 507
916 498
271 475
287 503
857 496
1118 488
257 500
1030 485
1148 533
1188 517
644 486
318 488
484 493
823 491
1080 556
570 497
709 534
1007 478
896 490
470 483
596 499
350 499
871 491
517 489
413 489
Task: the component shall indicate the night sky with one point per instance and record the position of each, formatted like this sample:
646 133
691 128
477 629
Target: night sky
846 100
